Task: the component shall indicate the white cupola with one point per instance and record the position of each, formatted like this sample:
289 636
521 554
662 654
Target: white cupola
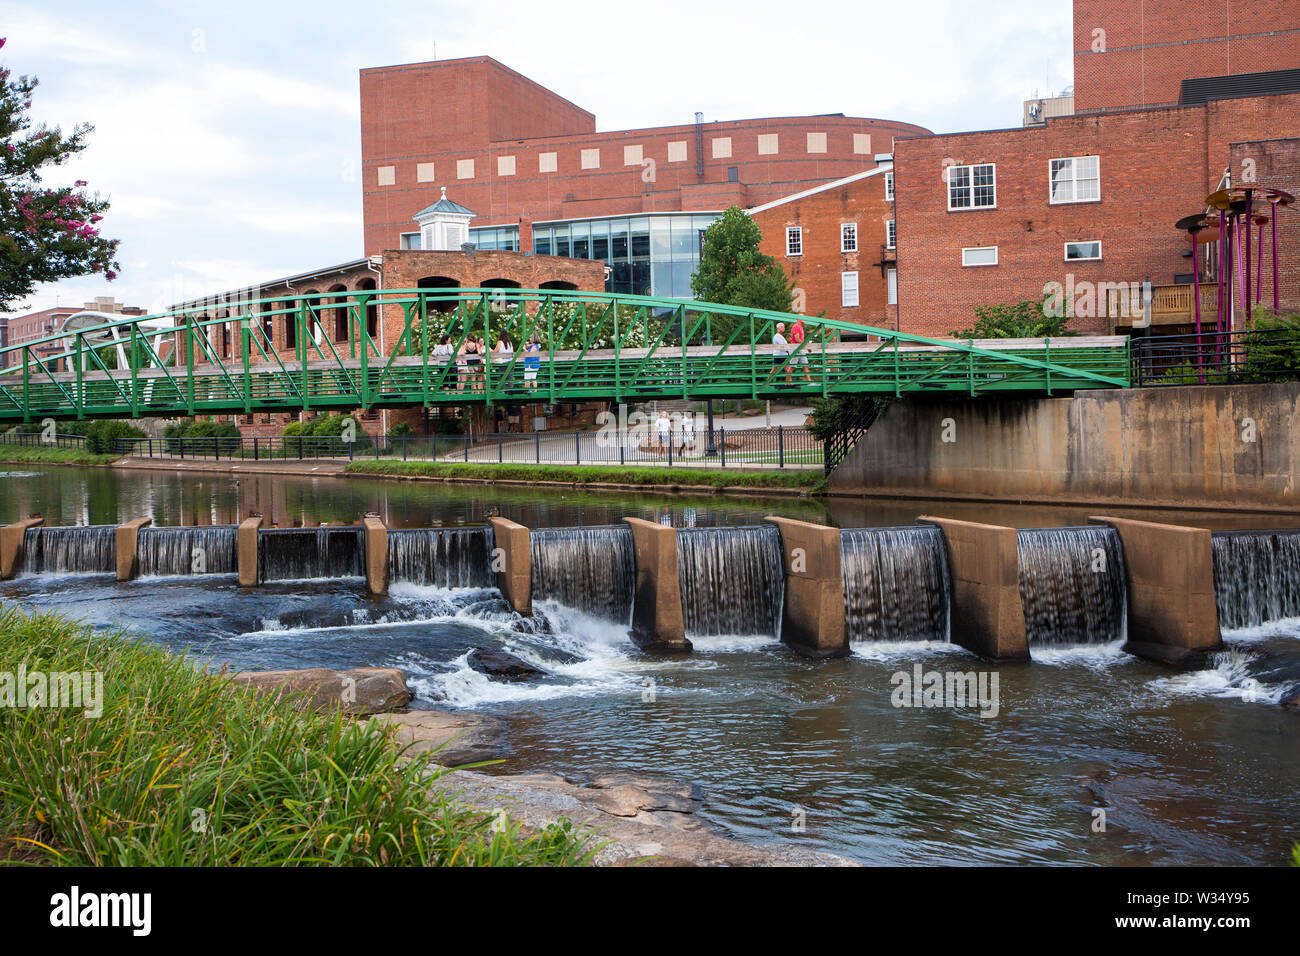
444 226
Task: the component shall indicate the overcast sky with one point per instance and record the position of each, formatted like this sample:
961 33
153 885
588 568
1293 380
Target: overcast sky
227 131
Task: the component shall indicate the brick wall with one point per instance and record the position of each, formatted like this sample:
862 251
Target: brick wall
1156 166
1148 47
817 272
533 153
1274 163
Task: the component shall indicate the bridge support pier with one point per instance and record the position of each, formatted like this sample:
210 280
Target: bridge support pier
246 550
812 619
988 616
1172 613
658 624
128 560
376 537
11 545
512 547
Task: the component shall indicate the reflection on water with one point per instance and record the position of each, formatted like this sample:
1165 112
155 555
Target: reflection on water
89 496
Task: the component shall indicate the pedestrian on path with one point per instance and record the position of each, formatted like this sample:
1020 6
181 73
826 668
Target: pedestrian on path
800 360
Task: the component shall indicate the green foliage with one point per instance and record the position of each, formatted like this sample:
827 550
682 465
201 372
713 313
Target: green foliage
733 271
103 435
323 435
1014 320
400 430
46 234
52 455
586 474
568 323
1272 346
183 768
221 436
843 412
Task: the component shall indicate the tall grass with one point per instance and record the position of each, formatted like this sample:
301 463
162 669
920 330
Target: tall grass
52 456
811 481
184 769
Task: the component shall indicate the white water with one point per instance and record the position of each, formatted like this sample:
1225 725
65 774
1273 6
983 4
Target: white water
1228 677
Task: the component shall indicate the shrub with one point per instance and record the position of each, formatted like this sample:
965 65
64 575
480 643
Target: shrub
1272 346
400 430
222 436
103 435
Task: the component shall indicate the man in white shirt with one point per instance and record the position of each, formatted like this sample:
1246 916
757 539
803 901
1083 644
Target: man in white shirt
781 351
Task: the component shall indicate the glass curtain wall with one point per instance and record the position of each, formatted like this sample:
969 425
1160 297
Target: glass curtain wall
647 255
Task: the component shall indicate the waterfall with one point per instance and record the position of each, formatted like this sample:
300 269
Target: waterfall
732 580
287 554
84 550
442 557
1256 576
895 584
1072 585
592 570
208 550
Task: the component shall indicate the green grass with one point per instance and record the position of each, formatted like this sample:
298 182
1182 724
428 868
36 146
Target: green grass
183 769
52 456
811 481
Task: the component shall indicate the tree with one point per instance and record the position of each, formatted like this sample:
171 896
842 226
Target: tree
46 234
733 271
1015 320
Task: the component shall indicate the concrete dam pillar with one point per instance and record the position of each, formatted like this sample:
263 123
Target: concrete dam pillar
515 575
128 561
812 619
11 545
1172 612
246 550
376 537
988 616
658 624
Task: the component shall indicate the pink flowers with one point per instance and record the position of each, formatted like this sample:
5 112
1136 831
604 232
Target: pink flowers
110 275
2 40
79 182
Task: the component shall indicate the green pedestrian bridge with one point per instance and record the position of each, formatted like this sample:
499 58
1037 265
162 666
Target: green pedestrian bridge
380 349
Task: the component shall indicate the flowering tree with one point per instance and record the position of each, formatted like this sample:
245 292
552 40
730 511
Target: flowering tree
46 233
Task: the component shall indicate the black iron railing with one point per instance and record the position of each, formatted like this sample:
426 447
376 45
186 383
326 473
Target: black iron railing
1210 358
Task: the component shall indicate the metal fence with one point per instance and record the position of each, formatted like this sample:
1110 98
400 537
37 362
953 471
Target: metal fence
1216 358
37 440
777 447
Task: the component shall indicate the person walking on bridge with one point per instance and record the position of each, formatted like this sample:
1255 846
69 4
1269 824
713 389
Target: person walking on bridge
799 359
781 351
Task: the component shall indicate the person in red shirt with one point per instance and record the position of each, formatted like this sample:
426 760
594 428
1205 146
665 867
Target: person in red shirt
800 360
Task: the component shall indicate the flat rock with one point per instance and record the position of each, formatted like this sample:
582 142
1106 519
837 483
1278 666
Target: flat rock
600 814
447 737
499 665
360 691
1291 701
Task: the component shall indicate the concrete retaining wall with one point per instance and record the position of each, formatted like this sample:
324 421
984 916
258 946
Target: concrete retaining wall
1185 446
812 620
988 616
376 536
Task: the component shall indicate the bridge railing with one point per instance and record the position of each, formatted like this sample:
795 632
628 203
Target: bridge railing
1216 358
774 447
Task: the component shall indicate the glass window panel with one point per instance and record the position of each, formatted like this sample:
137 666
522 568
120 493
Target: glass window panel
581 248
640 243
660 238
685 238
641 275
682 271
661 278
562 245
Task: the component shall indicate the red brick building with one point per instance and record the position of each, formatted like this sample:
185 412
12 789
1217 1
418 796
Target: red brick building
836 241
1131 53
543 179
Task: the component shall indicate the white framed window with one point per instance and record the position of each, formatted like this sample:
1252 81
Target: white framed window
794 240
848 237
464 169
1082 251
589 158
1074 179
547 162
979 256
891 287
505 165
722 147
891 234
972 187
889 186
386 175
848 289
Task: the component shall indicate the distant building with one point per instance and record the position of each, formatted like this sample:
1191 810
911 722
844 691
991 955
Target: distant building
542 179
836 242
46 322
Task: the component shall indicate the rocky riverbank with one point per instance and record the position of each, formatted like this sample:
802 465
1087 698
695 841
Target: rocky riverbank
635 819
